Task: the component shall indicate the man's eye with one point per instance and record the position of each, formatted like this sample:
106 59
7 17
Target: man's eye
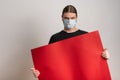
66 18
73 18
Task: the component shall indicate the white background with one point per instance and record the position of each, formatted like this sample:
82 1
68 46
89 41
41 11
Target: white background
26 24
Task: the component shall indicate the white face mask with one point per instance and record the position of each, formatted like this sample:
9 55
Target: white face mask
69 23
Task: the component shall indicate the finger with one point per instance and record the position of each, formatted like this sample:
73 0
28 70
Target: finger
36 73
105 49
33 69
105 54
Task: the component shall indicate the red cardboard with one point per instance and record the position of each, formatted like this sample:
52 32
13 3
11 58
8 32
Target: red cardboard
76 58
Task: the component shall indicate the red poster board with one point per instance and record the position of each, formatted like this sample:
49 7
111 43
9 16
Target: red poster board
76 58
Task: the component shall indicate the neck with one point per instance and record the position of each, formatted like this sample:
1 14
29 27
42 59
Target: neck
74 29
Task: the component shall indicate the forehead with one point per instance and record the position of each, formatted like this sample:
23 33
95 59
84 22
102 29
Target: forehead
69 14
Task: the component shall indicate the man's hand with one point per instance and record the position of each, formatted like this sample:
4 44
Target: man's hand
105 54
35 72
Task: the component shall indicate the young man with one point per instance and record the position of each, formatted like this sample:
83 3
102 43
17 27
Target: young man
69 18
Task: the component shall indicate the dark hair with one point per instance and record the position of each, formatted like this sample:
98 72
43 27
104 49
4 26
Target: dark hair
69 8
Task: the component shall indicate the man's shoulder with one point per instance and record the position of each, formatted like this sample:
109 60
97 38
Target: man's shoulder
58 33
55 37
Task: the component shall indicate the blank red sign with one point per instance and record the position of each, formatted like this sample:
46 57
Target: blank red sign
76 58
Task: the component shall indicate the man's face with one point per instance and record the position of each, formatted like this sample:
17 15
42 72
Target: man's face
69 20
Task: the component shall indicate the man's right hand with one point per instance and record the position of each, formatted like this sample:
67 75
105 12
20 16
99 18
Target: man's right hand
35 72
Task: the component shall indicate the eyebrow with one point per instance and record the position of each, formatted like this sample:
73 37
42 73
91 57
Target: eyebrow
69 18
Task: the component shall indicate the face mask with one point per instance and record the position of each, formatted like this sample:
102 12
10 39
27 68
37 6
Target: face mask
69 23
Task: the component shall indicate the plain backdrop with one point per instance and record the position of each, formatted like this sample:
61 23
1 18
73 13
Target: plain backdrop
27 24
